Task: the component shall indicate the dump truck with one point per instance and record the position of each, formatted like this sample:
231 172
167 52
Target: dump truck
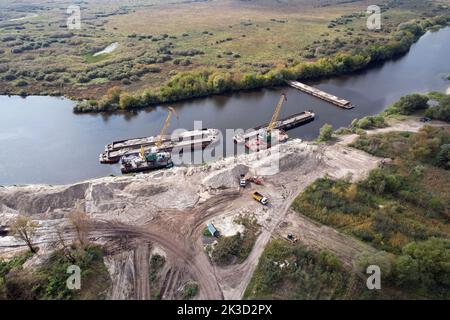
260 198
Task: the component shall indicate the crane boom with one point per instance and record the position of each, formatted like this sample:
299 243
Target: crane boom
172 111
276 113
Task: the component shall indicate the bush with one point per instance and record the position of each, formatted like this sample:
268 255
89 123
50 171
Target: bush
326 133
129 102
425 266
369 122
441 111
21 83
409 104
190 290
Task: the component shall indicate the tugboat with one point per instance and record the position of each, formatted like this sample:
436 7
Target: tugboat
145 161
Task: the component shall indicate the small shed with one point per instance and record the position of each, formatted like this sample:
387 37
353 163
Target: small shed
212 229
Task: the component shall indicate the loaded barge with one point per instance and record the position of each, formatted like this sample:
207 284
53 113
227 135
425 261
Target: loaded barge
189 140
342 103
152 141
282 125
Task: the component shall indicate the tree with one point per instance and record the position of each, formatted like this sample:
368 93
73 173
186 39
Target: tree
24 228
326 132
443 157
425 265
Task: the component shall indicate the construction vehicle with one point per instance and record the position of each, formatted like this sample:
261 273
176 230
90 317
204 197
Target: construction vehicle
242 181
145 161
255 180
260 198
266 135
292 238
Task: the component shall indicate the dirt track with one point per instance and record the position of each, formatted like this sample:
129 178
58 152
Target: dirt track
171 208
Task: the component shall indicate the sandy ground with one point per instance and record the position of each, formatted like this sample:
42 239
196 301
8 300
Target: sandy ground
170 209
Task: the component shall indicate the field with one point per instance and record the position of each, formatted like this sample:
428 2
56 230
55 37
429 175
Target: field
158 40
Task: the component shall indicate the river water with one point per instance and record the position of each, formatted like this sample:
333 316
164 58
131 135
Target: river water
42 141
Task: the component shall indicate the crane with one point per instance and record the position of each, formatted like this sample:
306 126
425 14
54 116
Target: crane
160 138
267 134
172 111
276 113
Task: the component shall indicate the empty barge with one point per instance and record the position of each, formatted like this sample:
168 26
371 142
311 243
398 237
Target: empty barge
342 103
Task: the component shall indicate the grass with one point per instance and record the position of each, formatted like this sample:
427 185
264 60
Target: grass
95 59
214 27
292 272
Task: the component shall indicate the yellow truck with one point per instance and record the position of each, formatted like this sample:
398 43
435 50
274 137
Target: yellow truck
260 198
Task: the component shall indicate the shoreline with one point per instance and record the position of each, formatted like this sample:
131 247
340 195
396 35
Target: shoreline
154 97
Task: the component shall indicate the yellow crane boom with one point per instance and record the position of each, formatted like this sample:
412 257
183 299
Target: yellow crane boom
276 114
172 111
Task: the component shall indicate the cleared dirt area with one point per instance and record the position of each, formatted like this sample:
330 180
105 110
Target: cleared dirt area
170 209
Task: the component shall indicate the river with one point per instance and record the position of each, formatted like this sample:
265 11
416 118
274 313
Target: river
42 141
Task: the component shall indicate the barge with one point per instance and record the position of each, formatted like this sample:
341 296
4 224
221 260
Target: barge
281 125
342 103
189 140
151 141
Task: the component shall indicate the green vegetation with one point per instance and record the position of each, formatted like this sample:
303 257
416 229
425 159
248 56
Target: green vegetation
196 50
235 249
440 111
420 104
402 208
49 280
157 262
287 271
369 122
190 290
208 81
326 133
15 263
409 104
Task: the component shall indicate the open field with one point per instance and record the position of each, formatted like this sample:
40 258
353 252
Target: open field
157 40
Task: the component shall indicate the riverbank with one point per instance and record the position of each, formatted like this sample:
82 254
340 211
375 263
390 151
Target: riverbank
150 208
206 82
